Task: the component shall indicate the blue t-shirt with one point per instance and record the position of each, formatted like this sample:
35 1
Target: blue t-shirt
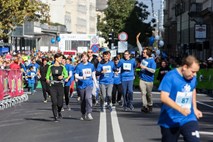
127 69
70 70
117 77
32 75
85 70
180 91
146 75
106 78
35 66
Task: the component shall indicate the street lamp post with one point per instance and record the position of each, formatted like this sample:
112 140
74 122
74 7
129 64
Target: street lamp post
179 9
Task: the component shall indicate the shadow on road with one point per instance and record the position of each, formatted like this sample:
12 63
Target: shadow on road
39 119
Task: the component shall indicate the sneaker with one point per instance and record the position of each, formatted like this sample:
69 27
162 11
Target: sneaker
89 116
119 103
150 108
55 119
102 109
125 109
82 117
78 99
60 115
131 107
144 109
45 101
68 108
62 109
110 108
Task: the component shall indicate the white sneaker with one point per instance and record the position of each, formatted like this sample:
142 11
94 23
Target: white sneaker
82 117
89 116
68 108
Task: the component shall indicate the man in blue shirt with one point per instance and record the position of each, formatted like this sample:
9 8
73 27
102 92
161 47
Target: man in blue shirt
105 70
179 111
127 77
148 67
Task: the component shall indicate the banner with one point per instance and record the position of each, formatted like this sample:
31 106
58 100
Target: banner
1 84
15 83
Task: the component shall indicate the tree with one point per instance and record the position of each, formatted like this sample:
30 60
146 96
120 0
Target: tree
124 15
14 12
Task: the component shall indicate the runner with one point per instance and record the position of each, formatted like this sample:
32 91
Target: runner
55 75
127 77
85 74
179 112
105 70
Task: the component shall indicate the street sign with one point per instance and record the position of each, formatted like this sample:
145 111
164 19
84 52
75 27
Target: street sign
95 48
82 49
122 46
122 36
200 31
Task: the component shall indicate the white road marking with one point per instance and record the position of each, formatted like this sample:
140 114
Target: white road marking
204 104
206 133
115 127
102 136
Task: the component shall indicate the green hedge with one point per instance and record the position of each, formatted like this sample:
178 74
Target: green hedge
205 83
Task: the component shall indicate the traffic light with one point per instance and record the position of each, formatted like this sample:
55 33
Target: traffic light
111 39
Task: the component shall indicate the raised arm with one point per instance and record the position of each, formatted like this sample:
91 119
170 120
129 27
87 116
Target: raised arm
139 44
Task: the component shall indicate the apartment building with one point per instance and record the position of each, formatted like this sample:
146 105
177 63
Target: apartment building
189 27
68 16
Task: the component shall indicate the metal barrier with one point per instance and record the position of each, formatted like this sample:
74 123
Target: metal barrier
11 88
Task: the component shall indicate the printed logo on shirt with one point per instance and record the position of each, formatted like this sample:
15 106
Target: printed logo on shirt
127 66
87 72
56 71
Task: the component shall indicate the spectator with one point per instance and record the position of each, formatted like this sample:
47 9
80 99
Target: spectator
163 70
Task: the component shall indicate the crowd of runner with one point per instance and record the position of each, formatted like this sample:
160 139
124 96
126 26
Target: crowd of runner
109 81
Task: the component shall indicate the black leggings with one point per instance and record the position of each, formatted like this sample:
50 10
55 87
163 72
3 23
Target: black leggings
57 93
116 88
66 93
45 89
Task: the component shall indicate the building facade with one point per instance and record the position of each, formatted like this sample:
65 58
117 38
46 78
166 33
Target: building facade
67 16
188 28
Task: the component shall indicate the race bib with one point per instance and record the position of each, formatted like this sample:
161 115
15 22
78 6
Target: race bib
32 74
87 72
184 99
127 66
144 63
34 68
107 69
70 73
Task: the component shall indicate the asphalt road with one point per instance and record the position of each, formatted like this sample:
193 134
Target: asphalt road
31 121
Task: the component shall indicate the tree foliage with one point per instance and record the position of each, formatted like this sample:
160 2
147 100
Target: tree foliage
14 12
124 15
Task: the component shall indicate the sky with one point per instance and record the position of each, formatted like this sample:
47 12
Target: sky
156 4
